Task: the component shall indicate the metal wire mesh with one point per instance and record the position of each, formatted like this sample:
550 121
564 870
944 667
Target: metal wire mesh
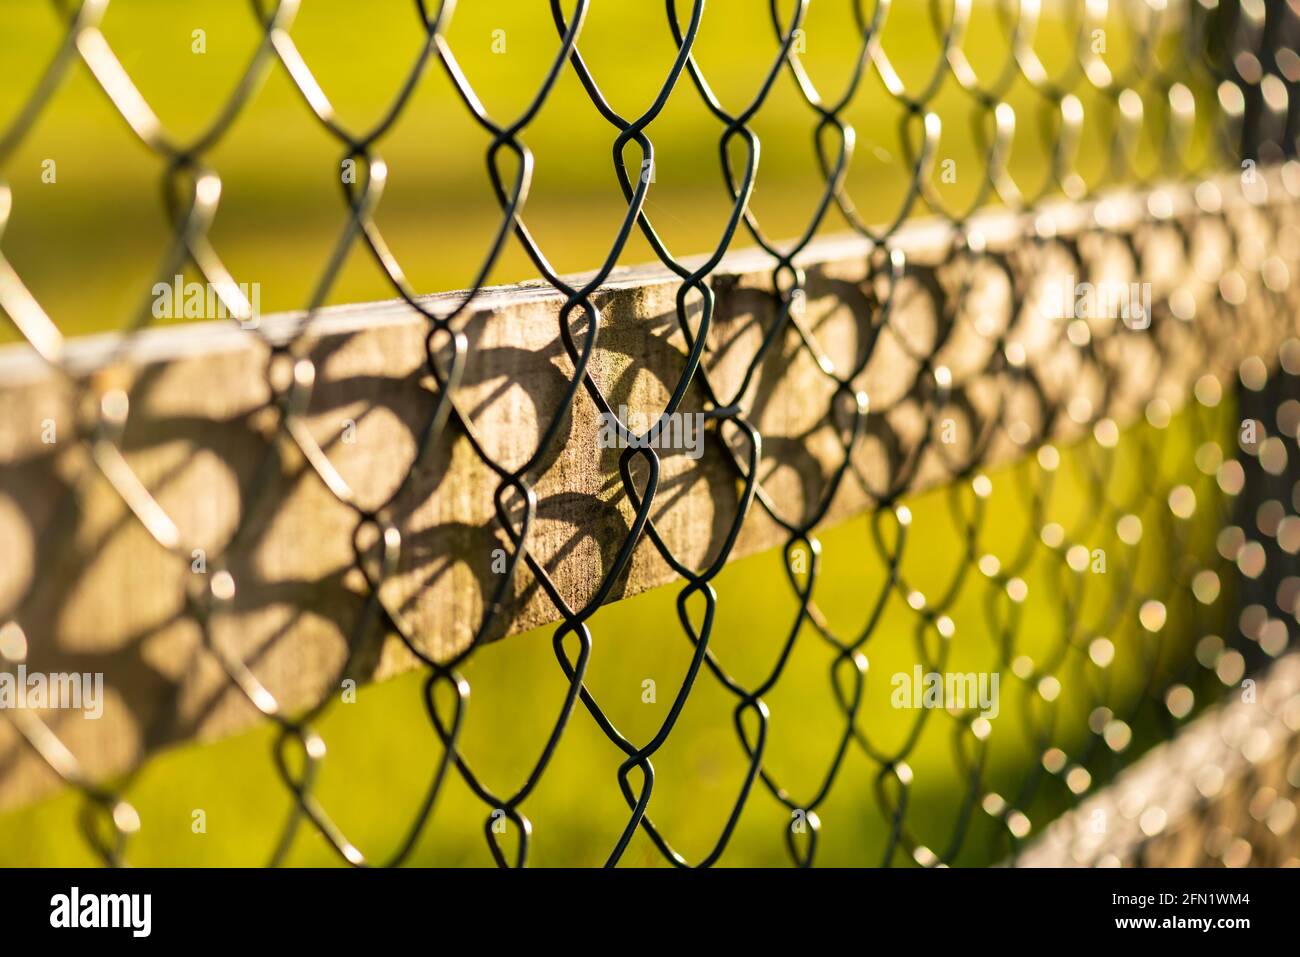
1217 73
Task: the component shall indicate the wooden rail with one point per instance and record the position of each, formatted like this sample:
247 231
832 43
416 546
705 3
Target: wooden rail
92 591
1221 793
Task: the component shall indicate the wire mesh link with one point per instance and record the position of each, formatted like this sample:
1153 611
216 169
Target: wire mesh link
1219 71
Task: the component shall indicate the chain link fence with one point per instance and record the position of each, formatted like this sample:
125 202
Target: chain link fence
827 380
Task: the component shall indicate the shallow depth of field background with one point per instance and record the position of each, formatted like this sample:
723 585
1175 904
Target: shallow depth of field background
88 245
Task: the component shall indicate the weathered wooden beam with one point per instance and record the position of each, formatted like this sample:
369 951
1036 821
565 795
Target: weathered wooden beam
964 344
1220 793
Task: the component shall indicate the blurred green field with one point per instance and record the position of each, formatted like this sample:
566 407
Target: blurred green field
382 750
87 246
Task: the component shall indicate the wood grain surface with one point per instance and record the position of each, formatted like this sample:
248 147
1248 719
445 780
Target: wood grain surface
963 340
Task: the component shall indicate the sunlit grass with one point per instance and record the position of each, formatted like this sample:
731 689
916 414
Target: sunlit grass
382 750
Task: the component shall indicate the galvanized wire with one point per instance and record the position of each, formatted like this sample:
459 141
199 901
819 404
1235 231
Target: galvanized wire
1223 77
